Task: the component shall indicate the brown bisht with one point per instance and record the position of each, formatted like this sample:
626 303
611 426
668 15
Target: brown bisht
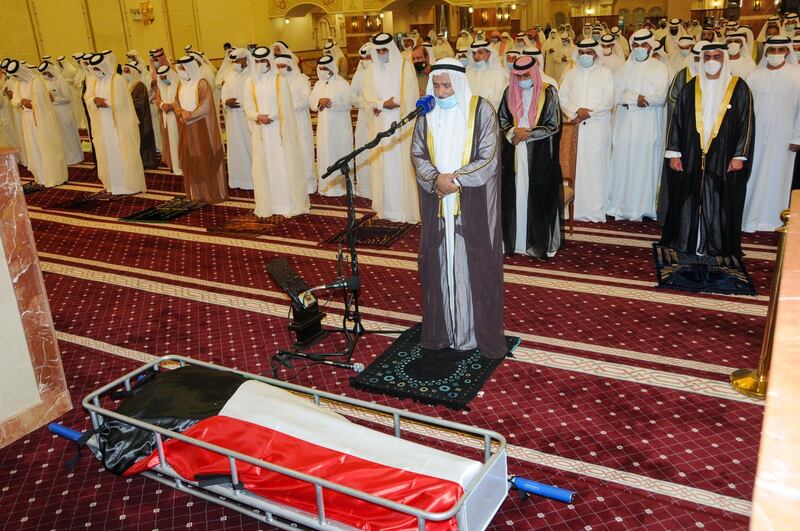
200 150
478 262
147 144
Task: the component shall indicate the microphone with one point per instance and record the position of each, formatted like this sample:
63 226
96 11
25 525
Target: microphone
357 367
349 283
425 105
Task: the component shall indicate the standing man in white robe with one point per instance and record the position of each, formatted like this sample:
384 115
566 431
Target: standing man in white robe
486 77
559 55
332 49
611 54
741 58
115 128
363 173
332 99
775 85
586 95
40 130
278 182
60 95
167 91
680 57
15 111
390 93
72 72
641 87
240 146
300 87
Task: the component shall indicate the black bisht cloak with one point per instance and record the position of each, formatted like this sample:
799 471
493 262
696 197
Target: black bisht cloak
711 198
546 188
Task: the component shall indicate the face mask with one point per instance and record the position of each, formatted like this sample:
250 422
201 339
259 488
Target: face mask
420 67
263 68
511 65
447 103
712 68
565 43
673 31
384 58
481 65
525 83
596 38
734 48
586 60
775 59
789 28
128 76
684 53
237 67
183 74
463 60
325 74
640 54
166 82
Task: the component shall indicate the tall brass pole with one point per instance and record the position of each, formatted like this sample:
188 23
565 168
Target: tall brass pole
754 382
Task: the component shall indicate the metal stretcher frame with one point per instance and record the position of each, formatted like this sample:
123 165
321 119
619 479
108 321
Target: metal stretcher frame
486 490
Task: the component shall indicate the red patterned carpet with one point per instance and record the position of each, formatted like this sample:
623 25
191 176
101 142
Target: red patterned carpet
619 391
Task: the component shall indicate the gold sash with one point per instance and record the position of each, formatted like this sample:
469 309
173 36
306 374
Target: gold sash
466 154
698 113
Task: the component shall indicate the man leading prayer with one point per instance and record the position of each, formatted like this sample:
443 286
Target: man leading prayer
456 160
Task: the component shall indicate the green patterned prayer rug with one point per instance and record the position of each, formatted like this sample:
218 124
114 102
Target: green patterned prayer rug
448 377
701 274
165 212
373 232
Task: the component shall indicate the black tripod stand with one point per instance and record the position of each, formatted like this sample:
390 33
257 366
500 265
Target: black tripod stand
352 312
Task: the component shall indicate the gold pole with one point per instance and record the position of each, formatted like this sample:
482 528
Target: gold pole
750 382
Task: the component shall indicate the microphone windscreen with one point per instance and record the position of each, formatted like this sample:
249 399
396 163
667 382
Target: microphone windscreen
426 104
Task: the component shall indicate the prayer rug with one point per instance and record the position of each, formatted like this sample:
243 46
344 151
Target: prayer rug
249 225
447 376
374 232
701 274
174 208
90 201
32 188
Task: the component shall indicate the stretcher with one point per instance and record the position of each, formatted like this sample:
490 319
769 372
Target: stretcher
464 493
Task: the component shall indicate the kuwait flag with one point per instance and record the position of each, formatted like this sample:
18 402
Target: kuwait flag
271 424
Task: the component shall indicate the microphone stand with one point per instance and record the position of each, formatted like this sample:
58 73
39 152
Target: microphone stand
342 165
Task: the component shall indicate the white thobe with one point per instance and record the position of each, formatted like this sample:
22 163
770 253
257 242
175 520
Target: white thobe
278 184
590 88
167 94
449 134
301 89
115 133
638 139
613 62
16 116
62 102
488 83
363 172
334 131
41 135
742 67
394 185
522 179
776 105
240 145
559 60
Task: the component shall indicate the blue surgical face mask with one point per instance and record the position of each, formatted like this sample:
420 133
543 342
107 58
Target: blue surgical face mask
463 60
511 65
447 103
586 60
480 65
596 37
525 83
166 81
684 53
640 54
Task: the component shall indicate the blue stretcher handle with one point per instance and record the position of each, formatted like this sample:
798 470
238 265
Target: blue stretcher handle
540 489
63 431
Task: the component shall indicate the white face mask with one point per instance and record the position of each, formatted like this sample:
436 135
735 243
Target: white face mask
384 58
237 67
712 68
183 74
324 74
263 68
775 59
734 48
789 28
